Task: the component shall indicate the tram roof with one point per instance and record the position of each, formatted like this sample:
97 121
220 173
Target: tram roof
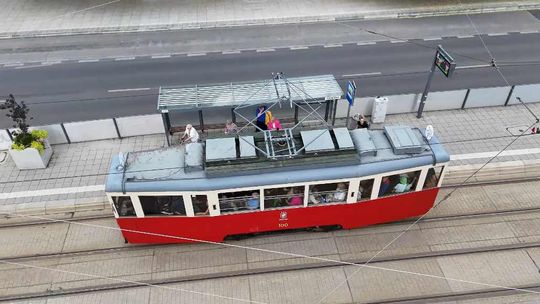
311 88
165 169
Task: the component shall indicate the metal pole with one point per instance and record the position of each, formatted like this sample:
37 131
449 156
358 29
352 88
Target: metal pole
327 110
166 126
233 115
509 95
295 114
348 115
201 121
334 113
426 91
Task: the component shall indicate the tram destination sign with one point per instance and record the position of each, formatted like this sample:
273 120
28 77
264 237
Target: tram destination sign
444 62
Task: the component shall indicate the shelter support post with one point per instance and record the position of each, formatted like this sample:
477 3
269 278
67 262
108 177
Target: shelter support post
334 113
201 121
167 126
295 114
327 110
233 115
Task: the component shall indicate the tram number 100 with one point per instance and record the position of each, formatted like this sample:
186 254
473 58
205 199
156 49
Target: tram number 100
283 225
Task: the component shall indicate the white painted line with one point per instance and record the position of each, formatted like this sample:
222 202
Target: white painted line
529 32
196 54
10 65
465 36
160 56
128 90
360 74
265 50
294 48
230 52
53 191
124 58
366 43
398 41
432 39
332 45
472 66
88 60
50 62
493 153
498 34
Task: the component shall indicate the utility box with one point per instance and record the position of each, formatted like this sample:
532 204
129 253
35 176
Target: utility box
378 114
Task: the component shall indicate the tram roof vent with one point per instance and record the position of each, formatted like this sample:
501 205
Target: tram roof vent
193 157
404 140
362 139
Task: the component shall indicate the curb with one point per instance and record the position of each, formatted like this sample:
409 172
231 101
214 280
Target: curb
400 14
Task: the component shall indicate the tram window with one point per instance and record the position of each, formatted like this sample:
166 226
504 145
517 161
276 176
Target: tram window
200 204
328 193
158 205
364 191
123 205
432 177
239 201
398 183
283 197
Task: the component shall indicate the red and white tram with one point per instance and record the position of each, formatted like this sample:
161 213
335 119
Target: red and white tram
224 187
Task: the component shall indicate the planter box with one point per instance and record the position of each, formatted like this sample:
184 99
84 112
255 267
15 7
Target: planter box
30 158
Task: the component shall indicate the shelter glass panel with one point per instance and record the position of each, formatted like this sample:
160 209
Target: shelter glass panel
239 201
432 177
328 193
200 204
365 189
123 205
284 197
399 183
159 205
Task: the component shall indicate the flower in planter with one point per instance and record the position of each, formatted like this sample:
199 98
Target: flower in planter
22 138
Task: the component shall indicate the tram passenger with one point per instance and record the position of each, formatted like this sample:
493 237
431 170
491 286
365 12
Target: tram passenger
341 193
200 207
431 179
253 202
385 186
315 197
295 199
177 206
403 185
190 135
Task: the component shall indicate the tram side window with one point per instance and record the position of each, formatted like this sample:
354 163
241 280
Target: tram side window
364 191
328 193
158 205
123 205
283 197
399 183
200 204
239 201
432 177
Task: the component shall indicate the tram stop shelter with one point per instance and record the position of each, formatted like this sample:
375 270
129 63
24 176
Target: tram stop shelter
296 90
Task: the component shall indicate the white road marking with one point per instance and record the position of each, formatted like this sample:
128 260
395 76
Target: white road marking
265 50
529 32
366 43
196 54
432 39
493 153
160 56
128 90
360 74
332 45
465 36
50 62
294 48
53 191
10 65
88 60
230 52
124 58
498 34
398 41
473 66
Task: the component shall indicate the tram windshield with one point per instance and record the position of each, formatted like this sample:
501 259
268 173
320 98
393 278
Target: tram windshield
123 206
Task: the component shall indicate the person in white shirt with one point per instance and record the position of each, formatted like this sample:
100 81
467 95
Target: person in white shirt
190 135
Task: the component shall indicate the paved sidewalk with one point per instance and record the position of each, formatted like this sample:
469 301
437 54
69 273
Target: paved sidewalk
33 17
74 179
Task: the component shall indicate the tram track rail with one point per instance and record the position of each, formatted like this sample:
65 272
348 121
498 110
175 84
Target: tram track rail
297 267
70 216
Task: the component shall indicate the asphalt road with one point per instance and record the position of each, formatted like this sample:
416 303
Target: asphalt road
82 91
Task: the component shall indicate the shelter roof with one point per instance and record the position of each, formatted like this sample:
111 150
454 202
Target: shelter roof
311 88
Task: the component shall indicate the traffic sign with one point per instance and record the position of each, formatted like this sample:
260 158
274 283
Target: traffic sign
444 62
351 92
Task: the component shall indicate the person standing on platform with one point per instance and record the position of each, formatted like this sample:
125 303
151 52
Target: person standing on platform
263 118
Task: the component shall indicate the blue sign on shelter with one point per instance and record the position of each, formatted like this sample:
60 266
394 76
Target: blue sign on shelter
351 92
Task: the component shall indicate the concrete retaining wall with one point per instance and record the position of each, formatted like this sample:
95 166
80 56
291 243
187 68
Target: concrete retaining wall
140 125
